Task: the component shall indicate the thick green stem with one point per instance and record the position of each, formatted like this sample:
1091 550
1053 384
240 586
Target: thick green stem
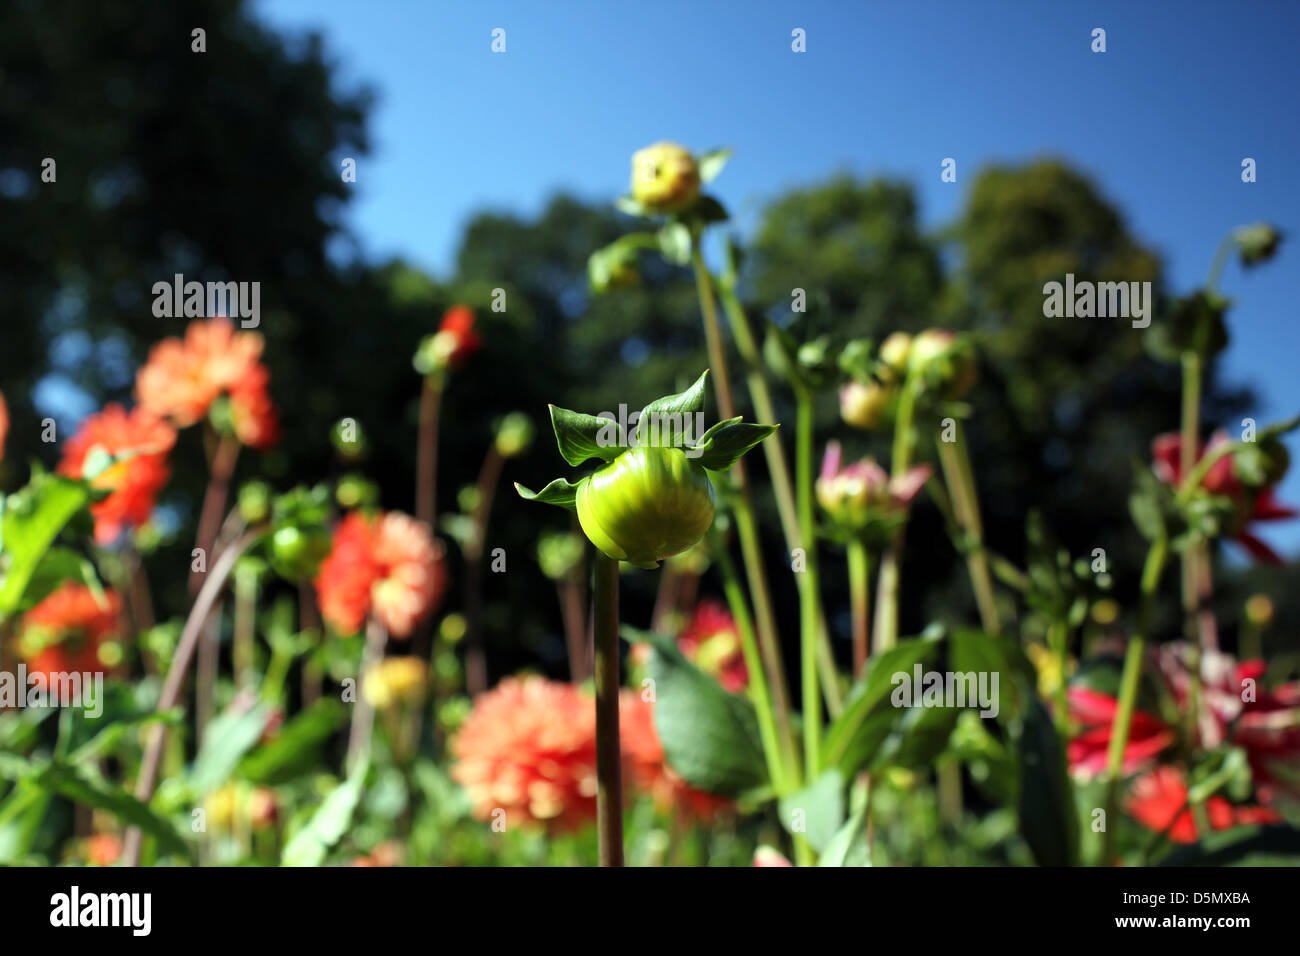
1128 689
888 584
609 774
1198 622
746 526
860 602
808 594
778 761
1058 641
954 457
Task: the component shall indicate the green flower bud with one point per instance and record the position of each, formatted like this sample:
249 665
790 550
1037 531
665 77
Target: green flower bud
296 552
646 505
894 352
665 177
558 553
514 435
1257 242
254 502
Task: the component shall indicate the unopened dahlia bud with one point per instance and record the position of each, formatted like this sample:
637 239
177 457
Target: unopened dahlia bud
863 406
665 177
1259 610
514 435
894 352
395 680
255 502
1257 242
945 359
646 505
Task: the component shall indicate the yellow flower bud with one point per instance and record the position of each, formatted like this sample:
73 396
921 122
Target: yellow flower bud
863 406
665 177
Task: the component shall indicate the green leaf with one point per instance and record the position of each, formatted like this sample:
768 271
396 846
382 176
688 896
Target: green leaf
916 736
328 824
581 436
705 210
56 566
1047 815
296 745
228 737
848 847
559 492
711 163
33 518
723 445
78 784
972 650
710 737
819 807
673 406
865 722
615 264
629 206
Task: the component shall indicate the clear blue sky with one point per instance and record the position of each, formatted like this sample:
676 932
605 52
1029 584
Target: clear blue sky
1161 120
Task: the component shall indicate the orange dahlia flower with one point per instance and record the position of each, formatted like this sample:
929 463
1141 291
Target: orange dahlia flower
183 377
712 642
141 440
528 748
65 632
643 758
387 564
456 339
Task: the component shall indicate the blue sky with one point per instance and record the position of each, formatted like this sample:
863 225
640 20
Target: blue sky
1162 119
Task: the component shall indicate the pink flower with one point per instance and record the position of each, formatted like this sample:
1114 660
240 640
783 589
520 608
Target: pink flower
861 494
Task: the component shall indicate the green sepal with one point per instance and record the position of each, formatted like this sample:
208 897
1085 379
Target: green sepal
724 444
578 436
683 403
560 492
711 163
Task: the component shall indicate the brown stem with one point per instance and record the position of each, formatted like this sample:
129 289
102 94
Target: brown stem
214 503
203 604
609 772
309 620
426 464
575 627
476 678
666 601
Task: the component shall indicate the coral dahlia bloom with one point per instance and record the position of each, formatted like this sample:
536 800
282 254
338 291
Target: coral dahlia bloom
529 748
387 564
1158 801
141 440
183 377
64 633
643 758
1094 713
712 643
1166 452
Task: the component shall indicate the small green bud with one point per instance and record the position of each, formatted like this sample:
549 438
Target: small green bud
514 435
255 502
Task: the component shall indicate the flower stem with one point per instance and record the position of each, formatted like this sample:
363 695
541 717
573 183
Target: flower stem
954 457
1128 689
808 594
363 718
609 785
779 472
888 584
476 675
860 602
746 527
180 662
759 693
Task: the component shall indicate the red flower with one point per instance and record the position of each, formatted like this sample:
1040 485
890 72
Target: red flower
1094 713
388 564
183 378
64 633
643 758
456 339
712 643
141 440
1239 711
1167 452
528 749
1158 801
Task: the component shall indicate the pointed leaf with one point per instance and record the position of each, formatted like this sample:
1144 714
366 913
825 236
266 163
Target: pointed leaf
724 444
560 492
581 436
682 404
711 163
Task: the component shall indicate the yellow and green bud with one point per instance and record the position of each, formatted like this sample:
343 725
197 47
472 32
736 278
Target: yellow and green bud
665 177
